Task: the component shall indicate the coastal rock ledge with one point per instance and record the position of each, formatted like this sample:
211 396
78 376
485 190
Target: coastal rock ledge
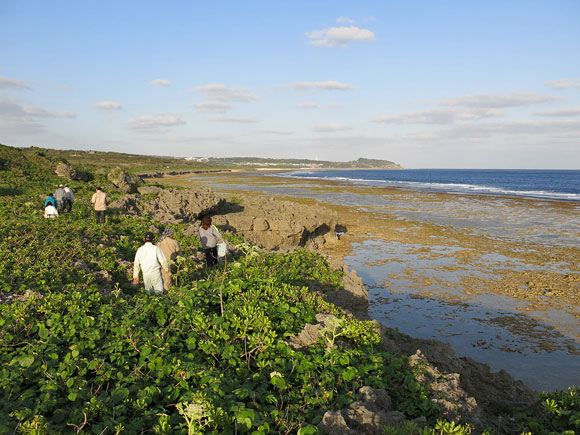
264 221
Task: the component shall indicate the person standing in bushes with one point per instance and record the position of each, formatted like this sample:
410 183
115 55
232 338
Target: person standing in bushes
50 200
69 198
150 259
209 236
171 250
60 195
99 200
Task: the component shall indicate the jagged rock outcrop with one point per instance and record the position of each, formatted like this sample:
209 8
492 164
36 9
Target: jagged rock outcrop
354 297
369 415
494 391
280 225
67 171
170 205
264 221
122 180
313 331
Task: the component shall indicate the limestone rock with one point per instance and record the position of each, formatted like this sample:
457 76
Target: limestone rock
311 332
369 415
280 225
122 180
469 387
67 171
170 205
353 298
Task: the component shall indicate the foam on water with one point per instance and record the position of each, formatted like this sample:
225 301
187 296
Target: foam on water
552 185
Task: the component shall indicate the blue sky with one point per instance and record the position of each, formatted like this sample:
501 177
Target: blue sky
449 84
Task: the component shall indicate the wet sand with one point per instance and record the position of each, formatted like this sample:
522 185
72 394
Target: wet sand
497 277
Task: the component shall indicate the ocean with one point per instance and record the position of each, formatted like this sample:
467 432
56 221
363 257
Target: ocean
539 184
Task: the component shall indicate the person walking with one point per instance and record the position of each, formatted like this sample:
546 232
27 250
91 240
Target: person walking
150 259
60 195
68 198
99 200
50 211
171 250
209 236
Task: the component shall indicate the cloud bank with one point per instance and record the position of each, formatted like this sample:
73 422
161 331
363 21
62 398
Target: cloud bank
160 83
107 105
340 36
220 92
319 86
6 83
157 123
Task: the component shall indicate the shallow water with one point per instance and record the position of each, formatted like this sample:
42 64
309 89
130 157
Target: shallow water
451 284
544 357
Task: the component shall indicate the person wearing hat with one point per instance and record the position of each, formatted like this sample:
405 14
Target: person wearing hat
60 195
171 250
150 259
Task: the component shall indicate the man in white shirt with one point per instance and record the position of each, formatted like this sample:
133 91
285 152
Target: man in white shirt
209 237
150 259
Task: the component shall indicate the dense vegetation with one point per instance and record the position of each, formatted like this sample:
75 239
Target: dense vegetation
83 351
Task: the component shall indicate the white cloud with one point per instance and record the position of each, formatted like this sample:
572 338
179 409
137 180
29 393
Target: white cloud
157 123
211 107
277 132
221 92
499 100
43 113
345 20
241 120
19 119
572 111
320 86
563 83
160 83
340 36
439 116
107 105
480 131
309 105
6 83
331 126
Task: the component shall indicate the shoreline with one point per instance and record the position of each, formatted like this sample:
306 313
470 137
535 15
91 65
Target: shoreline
468 255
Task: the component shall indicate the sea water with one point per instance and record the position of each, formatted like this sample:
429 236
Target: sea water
540 184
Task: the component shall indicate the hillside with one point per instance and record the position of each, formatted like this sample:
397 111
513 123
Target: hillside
143 163
251 346
302 163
